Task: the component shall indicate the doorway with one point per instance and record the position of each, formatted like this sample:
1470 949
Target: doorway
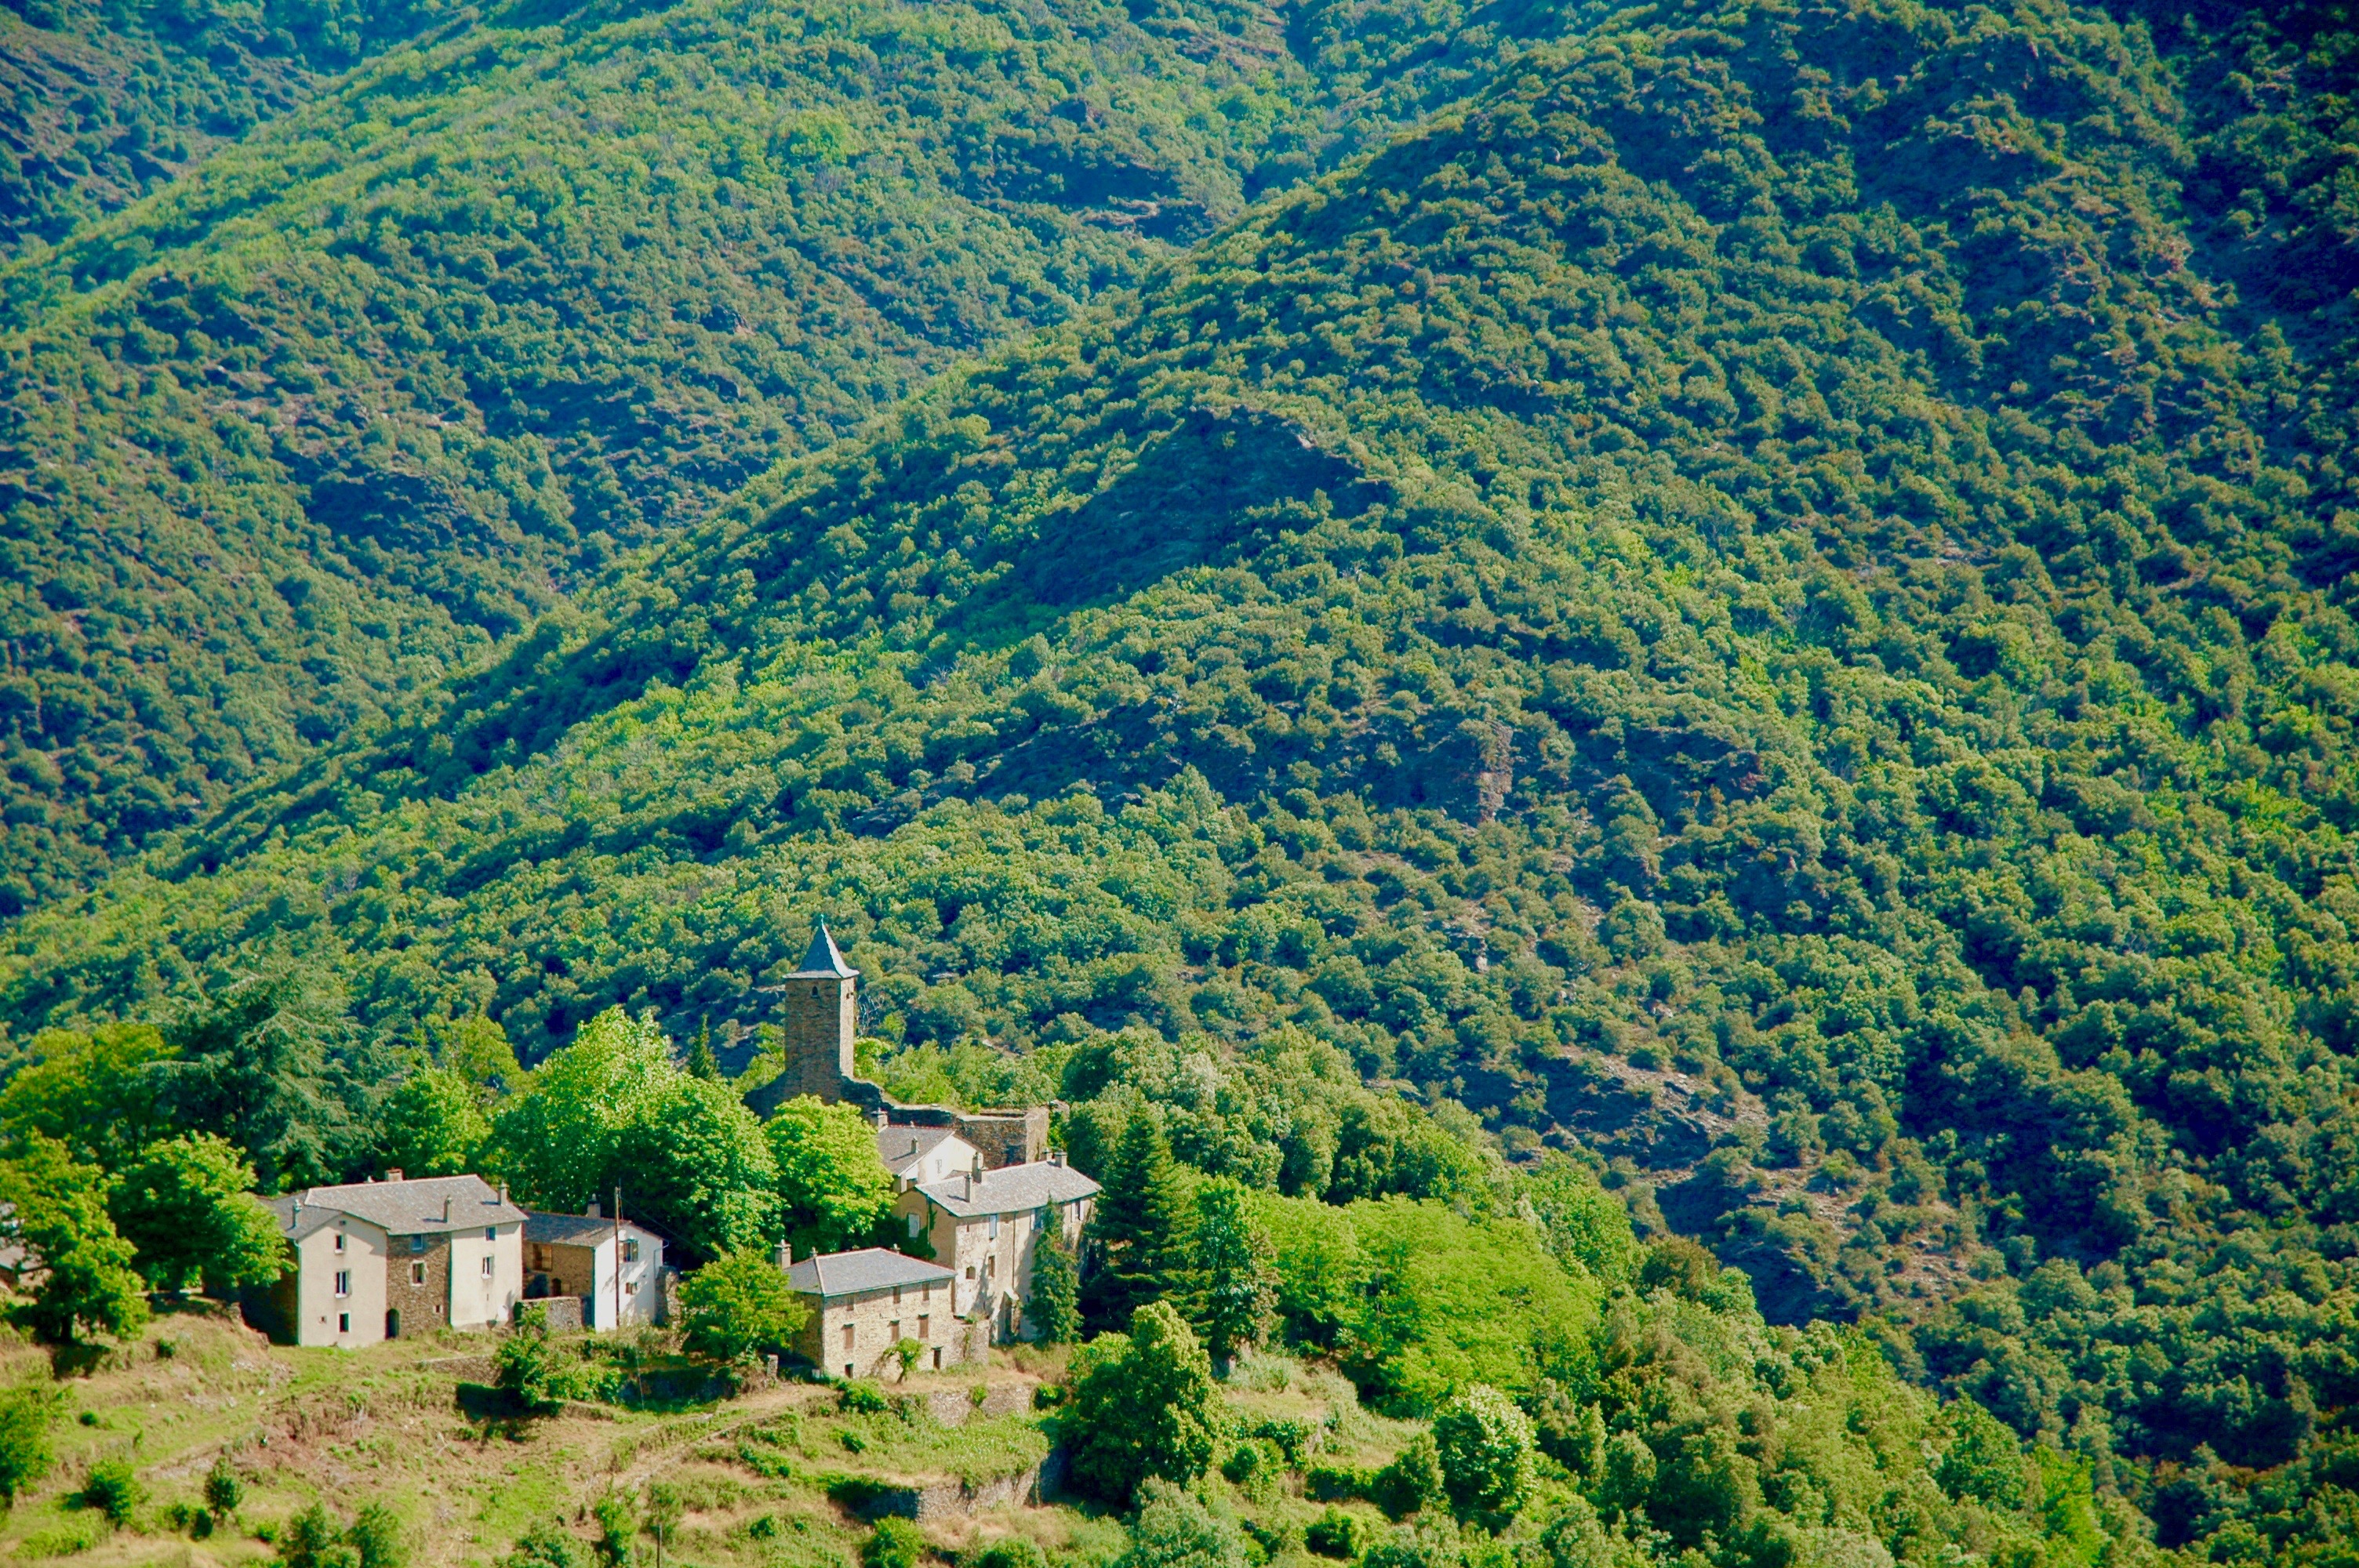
393 1323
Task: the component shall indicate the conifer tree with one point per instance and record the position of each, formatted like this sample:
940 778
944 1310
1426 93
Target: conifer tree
1138 1227
701 1062
1054 1310
1232 1287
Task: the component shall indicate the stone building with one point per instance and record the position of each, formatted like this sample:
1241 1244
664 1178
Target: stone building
614 1267
986 1227
864 1304
375 1260
819 1021
916 1155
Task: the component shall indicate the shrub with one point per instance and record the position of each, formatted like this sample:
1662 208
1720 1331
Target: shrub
861 1397
378 1539
26 1412
223 1491
545 1546
1336 1534
1011 1551
1412 1482
1484 1446
897 1544
113 1490
1174 1530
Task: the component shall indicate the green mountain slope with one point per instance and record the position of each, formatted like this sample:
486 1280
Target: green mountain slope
286 441
102 105
1760 596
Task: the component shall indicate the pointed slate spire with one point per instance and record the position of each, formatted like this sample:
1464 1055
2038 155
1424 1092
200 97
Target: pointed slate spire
823 959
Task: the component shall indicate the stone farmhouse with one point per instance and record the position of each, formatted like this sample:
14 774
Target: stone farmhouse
375 1260
976 1189
864 1304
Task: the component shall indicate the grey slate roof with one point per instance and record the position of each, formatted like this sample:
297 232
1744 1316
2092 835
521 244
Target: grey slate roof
900 1145
834 1274
1011 1189
823 959
574 1229
399 1208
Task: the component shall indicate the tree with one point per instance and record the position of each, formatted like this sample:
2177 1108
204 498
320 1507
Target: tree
1231 1289
1175 1530
701 1062
1413 1481
1143 1404
433 1124
525 1366
1054 1310
187 1209
543 1546
275 1065
475 1049
556 1141
693 1163
55 1210
223 1491
737 1305
1137 1224
1484 1446
835 1188
96 1093
1983 1461
113 1490
26 1412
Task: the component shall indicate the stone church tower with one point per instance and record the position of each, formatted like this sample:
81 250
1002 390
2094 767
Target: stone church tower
820 1018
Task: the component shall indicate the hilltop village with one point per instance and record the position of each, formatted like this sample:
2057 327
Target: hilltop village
973 1195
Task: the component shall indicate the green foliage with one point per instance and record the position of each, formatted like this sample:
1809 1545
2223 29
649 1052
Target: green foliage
618 1528
379 1538
1174 1530
113 1490
1138 1226
1413 1481
433 1124
834 1190
224 1492
738 1306
55 1209
543 1546
93 1093
527 1367
1142 1405
858 1396
1054 1308
1335 1533
1230 1288
612 1110
1483 1444
188 1208
1983 1460
896 1543
27 1410
1011 1551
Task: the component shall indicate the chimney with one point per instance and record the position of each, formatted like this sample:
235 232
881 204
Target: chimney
785 1256
966 1187
394 1174
446 1210
504 1195
593 1211
884 1116
1056 1156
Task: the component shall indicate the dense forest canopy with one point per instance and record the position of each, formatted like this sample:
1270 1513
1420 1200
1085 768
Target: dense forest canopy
388 379
1763 598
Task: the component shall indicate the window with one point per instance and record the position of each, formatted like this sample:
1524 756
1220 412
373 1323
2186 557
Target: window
925 1326
630 1287
343 1323
994 1232
969 1270
938 1358
417 1244
343 1282
491 1233
630 1249
849 1330
913 1225
897 1301
893 1331
487 1265
340 1241
418 1273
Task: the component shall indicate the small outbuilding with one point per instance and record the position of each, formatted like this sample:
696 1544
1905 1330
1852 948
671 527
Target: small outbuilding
616 1267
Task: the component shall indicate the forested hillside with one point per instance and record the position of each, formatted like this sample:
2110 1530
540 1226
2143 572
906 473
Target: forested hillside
384 382
101 104
1764 599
